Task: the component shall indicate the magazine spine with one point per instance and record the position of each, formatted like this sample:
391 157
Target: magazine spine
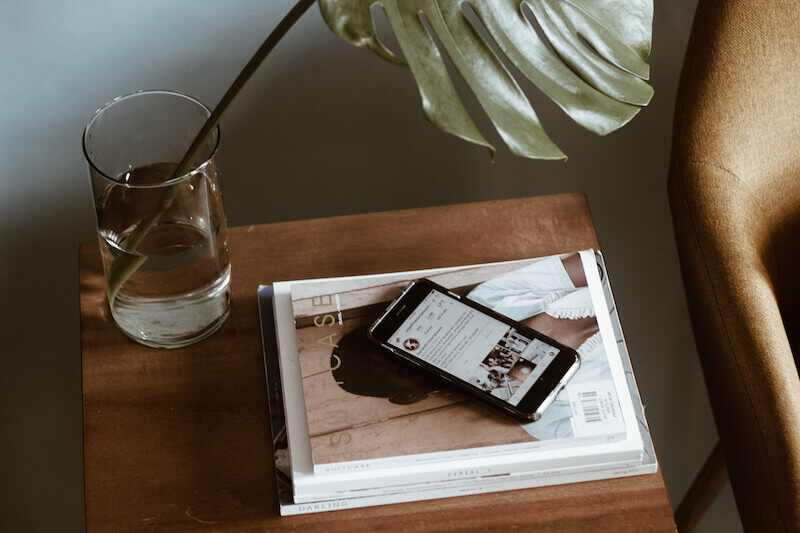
467 480
306 487
470 453
473 486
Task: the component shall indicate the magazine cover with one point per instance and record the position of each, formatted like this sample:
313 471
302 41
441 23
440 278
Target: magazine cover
289 505
364 405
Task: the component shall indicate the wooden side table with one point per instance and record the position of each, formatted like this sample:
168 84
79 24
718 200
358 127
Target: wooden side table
178 440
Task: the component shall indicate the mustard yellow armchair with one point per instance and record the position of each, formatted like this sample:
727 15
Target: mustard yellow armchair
734 190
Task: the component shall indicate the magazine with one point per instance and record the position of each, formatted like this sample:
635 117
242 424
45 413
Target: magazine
467 485
435 454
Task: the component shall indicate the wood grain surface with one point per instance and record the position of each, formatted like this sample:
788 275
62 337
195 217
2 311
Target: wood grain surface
177 440
375 427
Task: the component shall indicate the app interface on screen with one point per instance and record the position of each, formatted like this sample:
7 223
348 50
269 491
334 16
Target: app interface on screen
474 347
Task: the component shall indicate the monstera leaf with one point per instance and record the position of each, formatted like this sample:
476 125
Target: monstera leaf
590 60
588 57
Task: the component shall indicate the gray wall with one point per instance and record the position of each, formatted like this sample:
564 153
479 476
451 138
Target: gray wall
322 116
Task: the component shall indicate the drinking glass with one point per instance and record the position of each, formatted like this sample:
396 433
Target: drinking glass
163 238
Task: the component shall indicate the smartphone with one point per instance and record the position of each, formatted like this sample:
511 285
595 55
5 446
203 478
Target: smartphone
493 357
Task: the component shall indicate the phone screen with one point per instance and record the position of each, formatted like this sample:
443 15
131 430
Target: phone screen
473 347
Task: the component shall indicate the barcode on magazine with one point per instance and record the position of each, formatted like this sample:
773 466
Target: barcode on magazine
595 409
590 407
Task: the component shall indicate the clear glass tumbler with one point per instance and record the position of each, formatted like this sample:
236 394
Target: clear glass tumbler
163 238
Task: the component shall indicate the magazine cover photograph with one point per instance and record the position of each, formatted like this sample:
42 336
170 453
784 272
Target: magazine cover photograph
363 403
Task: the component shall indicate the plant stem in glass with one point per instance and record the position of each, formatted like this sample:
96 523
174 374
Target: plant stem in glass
123 267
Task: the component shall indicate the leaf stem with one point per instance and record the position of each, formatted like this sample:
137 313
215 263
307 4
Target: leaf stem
124 266
247 72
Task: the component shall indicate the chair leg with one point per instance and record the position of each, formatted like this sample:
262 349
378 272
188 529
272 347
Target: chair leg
704 490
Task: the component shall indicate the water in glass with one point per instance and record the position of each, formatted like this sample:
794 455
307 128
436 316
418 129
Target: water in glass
177 235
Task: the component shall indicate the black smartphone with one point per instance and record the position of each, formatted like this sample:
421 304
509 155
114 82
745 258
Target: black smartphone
498 360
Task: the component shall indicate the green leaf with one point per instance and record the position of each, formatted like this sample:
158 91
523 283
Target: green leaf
588 57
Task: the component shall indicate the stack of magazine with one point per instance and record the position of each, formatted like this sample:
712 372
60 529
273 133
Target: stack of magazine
354 426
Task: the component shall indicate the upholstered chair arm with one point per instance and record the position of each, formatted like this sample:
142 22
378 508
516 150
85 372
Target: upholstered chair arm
735 195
